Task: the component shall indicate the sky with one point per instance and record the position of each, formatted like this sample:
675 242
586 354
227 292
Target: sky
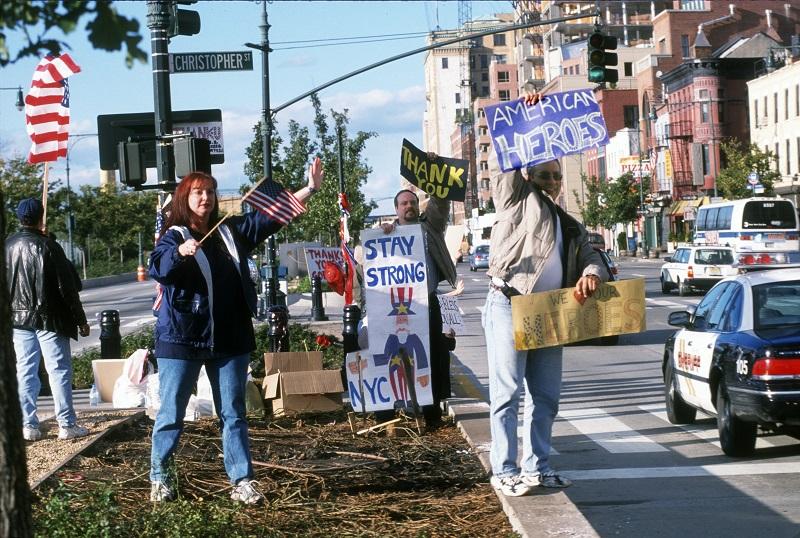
389 100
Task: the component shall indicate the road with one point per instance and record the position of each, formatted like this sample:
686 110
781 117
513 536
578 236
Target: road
635 473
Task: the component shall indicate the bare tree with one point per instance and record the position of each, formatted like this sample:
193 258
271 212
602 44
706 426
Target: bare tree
15 495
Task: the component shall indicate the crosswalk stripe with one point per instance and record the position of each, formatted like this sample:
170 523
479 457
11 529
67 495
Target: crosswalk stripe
706 432
609 432
714 470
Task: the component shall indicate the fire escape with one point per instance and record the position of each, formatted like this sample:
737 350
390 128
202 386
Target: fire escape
680 133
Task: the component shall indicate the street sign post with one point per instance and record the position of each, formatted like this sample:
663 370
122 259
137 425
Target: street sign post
204 62
752 178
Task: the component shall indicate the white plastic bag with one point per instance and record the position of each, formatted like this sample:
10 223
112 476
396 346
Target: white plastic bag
152 400
131 386
205 401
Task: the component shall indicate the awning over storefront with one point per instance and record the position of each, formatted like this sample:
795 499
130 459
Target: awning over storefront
677 207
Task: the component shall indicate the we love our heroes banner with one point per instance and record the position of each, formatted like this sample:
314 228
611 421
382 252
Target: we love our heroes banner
559 124
558 317
441 177
396 370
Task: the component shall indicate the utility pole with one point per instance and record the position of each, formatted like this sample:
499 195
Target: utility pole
158 23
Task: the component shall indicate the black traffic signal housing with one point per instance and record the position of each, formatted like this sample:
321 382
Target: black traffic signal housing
192 155
183 21
132 170
599 59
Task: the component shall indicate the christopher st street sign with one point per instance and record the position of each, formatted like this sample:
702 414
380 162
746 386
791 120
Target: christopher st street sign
201 62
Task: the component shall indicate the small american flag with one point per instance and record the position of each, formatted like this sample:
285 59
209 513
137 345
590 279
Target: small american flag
275 202
47 108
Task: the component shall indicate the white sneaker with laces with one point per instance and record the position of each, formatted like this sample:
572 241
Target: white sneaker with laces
530 480
510 486
72 432
161 492
30 433
246 492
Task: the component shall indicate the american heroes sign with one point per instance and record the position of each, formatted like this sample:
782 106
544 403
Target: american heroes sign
560 124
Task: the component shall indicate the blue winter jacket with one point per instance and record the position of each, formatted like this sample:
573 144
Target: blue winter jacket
209 299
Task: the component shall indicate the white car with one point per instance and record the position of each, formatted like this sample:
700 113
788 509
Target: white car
697 268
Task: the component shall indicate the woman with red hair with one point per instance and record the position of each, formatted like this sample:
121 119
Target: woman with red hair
205 319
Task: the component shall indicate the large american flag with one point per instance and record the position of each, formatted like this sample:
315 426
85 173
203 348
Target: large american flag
47 108
274 201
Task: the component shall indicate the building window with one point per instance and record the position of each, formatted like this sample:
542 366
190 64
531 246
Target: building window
706 160
501 59
458 97
662 45
499 40
775 108
484 148
755 113
484 61
630 116
777 157
685 45
628 67
577 69
692 5
766 112
505 95
797 153
788 159
482 131
484 91
444 63
502 76
786 103
704 112
484 165
720 112
484 77
472 62
797 100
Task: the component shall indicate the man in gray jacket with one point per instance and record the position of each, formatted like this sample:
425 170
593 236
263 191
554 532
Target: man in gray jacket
46 312
534 248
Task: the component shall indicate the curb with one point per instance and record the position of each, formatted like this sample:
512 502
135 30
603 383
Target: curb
552 513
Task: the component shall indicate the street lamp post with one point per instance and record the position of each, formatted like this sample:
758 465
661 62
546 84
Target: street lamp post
73 139
20 102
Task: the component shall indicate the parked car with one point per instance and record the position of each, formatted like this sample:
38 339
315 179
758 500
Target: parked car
597 241
696 268
737 356
479 259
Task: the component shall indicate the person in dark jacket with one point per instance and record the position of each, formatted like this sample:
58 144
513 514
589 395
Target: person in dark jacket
46 312
205 319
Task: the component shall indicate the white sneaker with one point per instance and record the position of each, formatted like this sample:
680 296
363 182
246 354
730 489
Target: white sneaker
510 486
246 492
72 432
30 433
161 492
530 480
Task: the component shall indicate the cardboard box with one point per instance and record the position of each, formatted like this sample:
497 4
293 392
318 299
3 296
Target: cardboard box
295 383
106 372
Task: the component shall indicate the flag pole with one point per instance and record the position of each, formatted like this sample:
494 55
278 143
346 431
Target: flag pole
44 195
248 193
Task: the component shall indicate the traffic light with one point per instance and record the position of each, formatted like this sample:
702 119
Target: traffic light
183 21
132 171
599 59
192 155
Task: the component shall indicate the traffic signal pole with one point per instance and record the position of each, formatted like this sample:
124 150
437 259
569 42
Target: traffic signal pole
158 22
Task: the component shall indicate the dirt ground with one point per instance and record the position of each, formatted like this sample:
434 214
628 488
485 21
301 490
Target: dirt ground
319 479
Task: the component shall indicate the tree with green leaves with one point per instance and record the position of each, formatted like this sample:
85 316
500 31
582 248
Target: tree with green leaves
33 21
591 210
290 163
622 199
741 159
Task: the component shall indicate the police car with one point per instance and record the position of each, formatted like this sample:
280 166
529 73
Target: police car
737 356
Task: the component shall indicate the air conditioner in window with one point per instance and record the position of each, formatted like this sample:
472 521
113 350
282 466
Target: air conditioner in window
763 121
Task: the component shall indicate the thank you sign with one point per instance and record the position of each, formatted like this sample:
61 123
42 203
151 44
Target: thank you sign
395 371
441 177
316 258
560 124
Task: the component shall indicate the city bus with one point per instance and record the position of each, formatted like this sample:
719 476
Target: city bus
761 231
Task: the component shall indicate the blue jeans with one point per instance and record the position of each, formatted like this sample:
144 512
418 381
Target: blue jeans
177 378
30 346
539 373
